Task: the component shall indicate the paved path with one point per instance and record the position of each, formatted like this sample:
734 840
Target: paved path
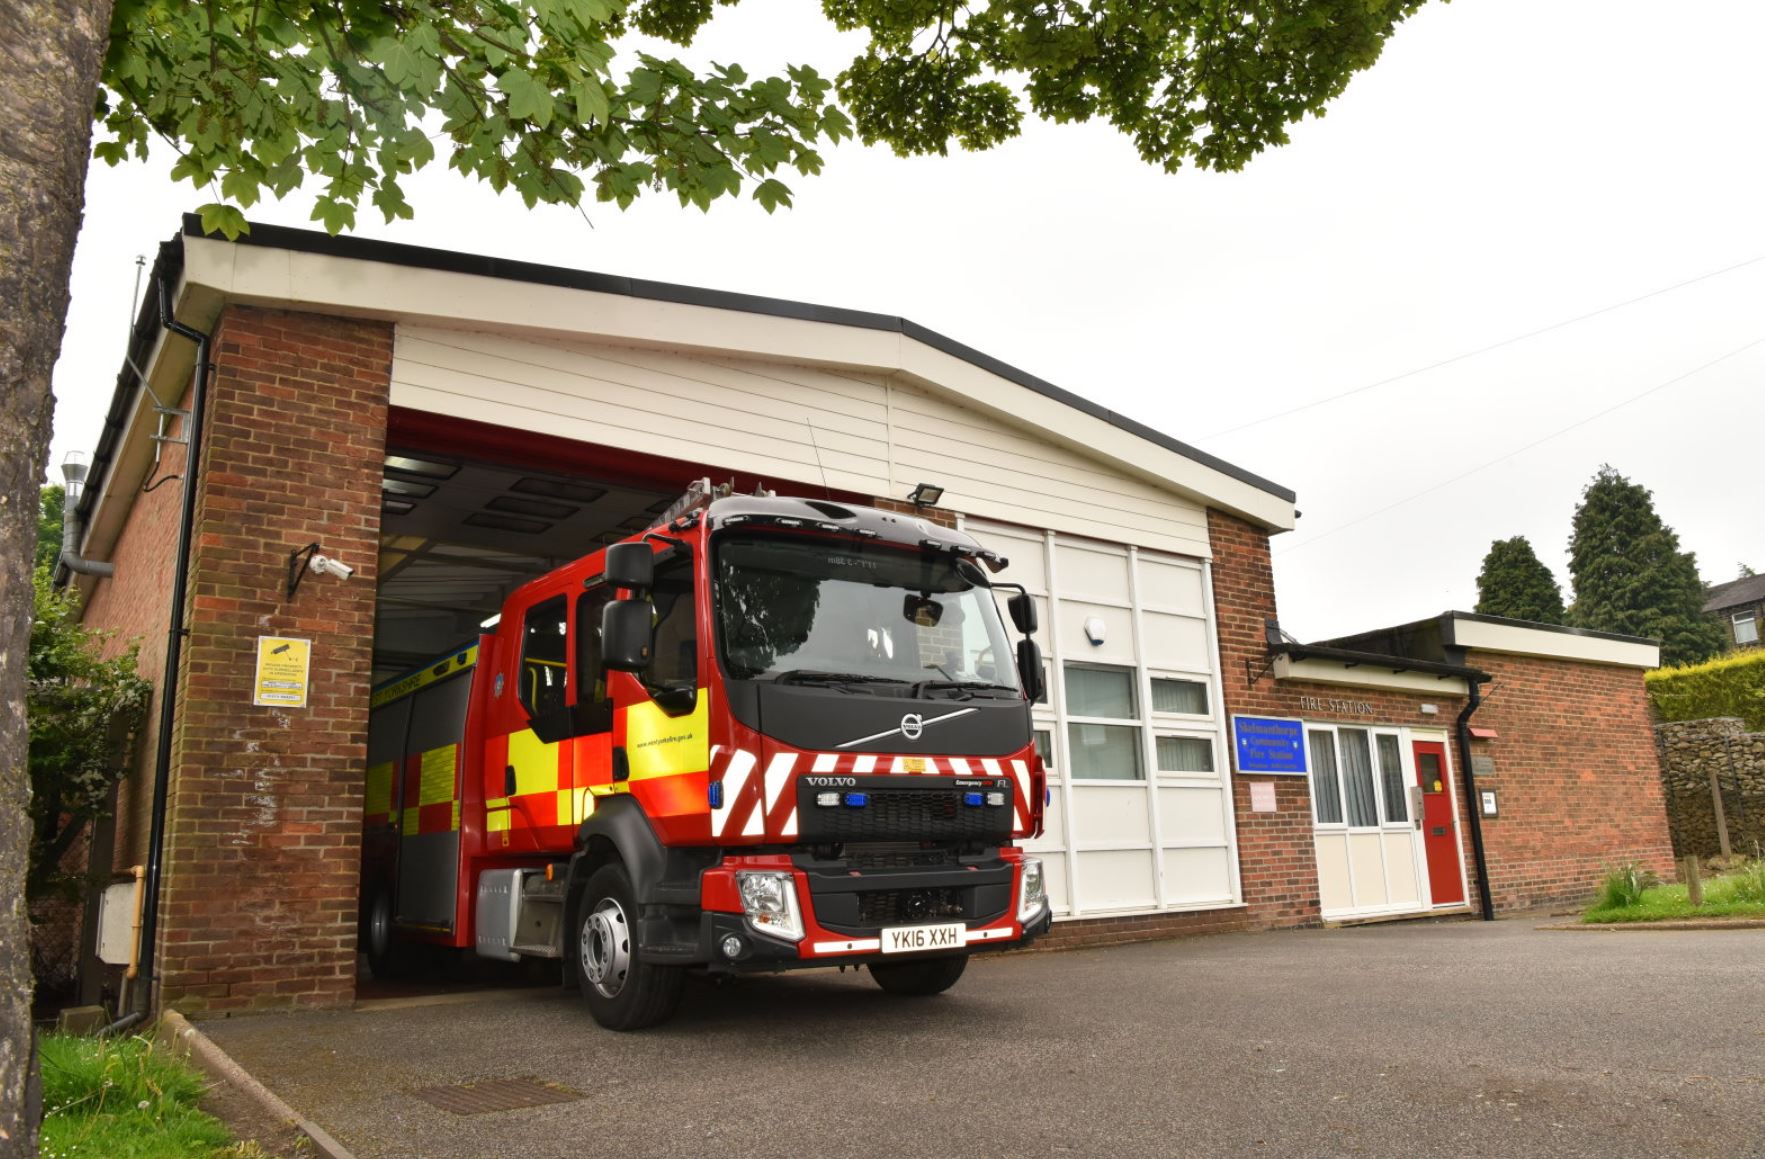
1461 1039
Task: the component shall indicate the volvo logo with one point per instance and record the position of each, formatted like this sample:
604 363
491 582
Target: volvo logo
912 725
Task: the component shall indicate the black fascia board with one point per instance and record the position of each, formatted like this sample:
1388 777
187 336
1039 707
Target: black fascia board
1351 657
452 261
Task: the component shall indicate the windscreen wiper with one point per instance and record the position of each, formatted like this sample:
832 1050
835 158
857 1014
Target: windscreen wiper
925 686
840 680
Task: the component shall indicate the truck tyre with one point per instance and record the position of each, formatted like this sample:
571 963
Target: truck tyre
388 958
623 993
921 978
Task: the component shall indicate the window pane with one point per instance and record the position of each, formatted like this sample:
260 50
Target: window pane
1184 754
1100 692
1104 752
1397 797
1179 696
1326 794
1045 748
677 632
1746 628
590 606
542 657
1357 777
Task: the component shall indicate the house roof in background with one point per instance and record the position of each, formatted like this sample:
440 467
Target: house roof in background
1736 593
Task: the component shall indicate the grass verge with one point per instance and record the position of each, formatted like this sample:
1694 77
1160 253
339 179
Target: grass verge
125 1099
1737 895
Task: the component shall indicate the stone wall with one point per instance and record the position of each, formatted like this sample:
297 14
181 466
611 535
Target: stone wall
1691 750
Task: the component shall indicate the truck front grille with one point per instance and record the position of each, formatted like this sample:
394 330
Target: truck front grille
893 907
904 814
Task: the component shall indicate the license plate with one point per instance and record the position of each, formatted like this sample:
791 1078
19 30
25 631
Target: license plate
916 939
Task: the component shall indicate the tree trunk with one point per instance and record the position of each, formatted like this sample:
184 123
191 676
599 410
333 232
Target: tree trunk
50 55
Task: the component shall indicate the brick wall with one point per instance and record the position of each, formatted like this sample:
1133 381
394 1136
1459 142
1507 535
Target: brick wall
1275 852
1576 775
263 845
135 606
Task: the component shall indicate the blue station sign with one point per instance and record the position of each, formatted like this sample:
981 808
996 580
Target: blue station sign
1269 744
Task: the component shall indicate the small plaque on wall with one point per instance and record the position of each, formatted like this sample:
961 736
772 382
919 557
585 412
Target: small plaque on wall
1483 766
1262 796
1269 744
1489 808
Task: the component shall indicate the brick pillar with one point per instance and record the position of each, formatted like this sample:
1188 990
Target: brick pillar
265 808
1277 864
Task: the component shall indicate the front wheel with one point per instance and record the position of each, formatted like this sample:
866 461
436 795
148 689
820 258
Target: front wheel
622 992
921 978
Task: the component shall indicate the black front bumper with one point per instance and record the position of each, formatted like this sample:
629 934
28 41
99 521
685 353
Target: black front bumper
764 955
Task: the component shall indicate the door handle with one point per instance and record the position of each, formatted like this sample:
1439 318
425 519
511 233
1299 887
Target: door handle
509 780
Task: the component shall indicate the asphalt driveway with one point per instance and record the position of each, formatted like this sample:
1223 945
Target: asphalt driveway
1459 1039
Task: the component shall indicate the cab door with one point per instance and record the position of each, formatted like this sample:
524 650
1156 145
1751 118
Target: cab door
528 776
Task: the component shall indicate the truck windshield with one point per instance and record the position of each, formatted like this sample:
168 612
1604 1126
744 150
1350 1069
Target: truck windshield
809 610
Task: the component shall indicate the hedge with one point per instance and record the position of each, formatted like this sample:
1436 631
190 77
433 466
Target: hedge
1727 686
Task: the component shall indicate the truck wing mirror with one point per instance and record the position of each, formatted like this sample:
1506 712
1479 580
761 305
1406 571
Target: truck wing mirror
627 631
1029 666
631 566
1023 612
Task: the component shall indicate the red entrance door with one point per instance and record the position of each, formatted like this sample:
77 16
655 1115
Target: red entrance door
1439 837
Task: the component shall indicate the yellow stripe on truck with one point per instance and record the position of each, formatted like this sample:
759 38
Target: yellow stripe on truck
436 783
379 797
659 745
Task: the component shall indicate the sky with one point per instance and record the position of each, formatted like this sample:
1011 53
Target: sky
1506 167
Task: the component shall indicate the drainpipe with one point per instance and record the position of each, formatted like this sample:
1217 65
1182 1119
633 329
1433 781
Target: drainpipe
175 633
1471 799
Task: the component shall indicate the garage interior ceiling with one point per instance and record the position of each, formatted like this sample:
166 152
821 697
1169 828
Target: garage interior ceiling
458 536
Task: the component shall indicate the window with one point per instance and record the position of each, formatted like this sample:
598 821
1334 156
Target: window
543 658
1326 788
1098 749
1746 628
1358 777
589 607
1100 692
1184 696
1045 748
1391 778
1184 754
676 663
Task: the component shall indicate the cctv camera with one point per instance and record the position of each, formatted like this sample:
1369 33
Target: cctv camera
325 565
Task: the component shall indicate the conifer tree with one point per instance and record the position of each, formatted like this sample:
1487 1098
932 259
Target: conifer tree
1514 583
1630 575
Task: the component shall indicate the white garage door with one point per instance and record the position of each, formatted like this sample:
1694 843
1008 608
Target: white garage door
1141 815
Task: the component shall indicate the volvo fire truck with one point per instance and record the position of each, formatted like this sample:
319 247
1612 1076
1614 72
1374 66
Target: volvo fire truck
768 733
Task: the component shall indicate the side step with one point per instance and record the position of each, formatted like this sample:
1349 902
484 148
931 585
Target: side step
520 915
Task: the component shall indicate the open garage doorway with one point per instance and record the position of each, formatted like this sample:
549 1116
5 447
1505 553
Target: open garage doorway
469 513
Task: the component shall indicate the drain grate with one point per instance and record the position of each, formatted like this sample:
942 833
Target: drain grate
496 1095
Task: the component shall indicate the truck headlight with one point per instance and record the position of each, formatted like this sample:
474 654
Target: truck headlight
1032 892
770 902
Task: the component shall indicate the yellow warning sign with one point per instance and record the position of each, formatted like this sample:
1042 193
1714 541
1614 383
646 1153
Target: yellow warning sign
282 668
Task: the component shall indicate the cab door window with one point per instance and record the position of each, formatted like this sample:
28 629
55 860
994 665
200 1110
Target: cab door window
544 657
591 673
676 665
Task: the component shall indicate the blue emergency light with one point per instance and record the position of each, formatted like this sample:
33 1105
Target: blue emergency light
972 799
714 794
857 800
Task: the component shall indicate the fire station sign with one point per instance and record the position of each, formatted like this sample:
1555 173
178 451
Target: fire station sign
282 668
1269 744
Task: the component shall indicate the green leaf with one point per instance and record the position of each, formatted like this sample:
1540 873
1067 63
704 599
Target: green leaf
772 193
528 100
224 219
337 216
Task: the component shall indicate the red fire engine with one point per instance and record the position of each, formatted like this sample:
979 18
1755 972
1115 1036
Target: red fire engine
768 734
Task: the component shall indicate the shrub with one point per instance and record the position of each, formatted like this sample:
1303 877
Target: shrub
1624 887
1749 883
1727 686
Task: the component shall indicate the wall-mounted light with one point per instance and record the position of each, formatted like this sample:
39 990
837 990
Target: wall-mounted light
1094 629
925 495
1430 710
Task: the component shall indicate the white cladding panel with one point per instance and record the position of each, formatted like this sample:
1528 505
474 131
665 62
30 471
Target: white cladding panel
853 430
1151 839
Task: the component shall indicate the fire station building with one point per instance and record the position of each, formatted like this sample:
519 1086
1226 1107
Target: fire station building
448 426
